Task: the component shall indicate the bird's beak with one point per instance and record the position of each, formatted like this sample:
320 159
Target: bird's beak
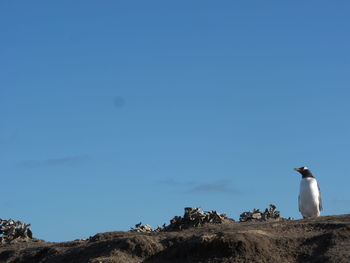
296 169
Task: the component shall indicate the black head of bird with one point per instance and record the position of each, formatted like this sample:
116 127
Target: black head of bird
305 172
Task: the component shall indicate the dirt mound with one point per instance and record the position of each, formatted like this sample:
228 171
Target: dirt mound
322 239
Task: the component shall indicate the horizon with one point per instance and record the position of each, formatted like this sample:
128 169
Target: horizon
117 113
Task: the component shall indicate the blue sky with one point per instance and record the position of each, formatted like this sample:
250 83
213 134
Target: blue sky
117 112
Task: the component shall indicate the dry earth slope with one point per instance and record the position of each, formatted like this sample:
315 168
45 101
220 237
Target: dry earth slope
324 239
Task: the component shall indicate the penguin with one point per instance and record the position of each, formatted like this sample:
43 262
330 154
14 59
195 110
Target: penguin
310 202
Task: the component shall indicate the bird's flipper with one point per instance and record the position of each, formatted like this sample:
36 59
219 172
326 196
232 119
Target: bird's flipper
319 198
299 203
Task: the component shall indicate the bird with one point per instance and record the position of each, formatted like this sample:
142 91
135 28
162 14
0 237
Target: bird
310 202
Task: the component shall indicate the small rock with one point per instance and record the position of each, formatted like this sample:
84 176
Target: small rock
11 230
141 228
194 217
256 215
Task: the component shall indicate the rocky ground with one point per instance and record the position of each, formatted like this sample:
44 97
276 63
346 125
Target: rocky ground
323 239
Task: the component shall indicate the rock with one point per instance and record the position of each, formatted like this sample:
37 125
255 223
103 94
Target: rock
194 217
256 215
12 230
141 228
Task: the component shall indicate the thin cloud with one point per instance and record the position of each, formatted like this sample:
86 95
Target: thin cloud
64 161
220 186
172 182
119 102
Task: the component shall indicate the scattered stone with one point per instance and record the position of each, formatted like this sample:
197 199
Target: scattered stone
12 230
256 215
193 217
80 239
196 217
141 228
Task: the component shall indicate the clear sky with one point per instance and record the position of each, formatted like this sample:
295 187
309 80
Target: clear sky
116 112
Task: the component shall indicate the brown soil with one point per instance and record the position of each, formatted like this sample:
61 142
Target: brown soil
324 239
